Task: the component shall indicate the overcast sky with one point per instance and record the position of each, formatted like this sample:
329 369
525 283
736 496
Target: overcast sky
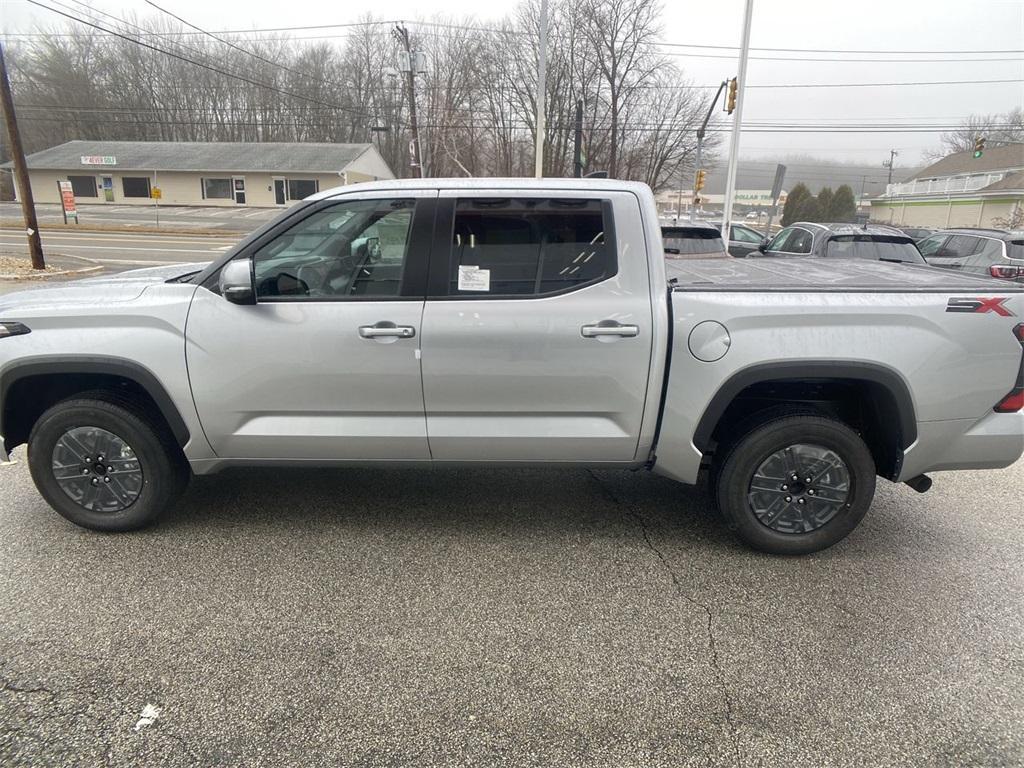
939 27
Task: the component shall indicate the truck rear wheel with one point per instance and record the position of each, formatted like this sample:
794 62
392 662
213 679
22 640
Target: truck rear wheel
796 484
105 464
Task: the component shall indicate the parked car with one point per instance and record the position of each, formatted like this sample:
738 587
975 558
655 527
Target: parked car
989 252
918 233
693 241
842 241
527 322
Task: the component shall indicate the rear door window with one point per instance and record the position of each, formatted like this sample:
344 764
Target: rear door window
530 246
960 246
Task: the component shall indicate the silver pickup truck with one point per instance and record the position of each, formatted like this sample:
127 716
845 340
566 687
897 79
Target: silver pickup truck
513 322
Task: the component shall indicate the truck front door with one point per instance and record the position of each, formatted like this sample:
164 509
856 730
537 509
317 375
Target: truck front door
325 366
537 331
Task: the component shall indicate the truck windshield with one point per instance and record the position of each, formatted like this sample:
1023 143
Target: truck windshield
873 247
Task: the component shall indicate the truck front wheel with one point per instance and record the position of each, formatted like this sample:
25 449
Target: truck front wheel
104 463
796 484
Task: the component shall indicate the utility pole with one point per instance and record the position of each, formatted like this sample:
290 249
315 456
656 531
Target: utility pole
542 90
28 205
577 151
401 34
892 157
737 118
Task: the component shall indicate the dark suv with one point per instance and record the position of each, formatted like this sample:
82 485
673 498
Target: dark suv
990 252
842 241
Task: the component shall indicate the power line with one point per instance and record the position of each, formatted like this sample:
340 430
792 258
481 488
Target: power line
203 65
662 43
232 45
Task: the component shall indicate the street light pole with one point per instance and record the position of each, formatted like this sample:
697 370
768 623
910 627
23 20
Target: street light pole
542 89
737 118
699 158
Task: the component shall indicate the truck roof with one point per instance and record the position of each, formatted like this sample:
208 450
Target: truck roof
803 275
475 183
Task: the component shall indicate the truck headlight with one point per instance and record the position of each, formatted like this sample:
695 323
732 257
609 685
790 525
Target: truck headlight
12 329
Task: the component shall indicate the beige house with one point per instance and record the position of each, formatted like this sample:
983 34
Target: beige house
960 190
228 174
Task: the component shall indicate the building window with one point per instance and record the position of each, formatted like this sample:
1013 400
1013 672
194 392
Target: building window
300 189
216 189
83 186
135 186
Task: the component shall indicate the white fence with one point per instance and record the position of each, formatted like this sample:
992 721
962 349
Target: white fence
943 186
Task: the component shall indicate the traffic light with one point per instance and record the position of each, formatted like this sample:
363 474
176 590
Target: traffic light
979 146
698 182
730 96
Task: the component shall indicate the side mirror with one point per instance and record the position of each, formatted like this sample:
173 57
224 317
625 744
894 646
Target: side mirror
236 282
763 245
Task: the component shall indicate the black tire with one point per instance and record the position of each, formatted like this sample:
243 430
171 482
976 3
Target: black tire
159 460
777 521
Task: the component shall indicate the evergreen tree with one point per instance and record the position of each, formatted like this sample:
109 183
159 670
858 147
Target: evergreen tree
844 205
825 197
796 198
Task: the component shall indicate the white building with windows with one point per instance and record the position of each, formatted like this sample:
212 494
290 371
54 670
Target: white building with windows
199 173
960 190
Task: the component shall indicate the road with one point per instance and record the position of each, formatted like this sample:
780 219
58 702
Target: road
120 251
238 219
509 617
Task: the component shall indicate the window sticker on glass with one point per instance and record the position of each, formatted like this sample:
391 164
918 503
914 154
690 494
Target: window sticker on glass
472 278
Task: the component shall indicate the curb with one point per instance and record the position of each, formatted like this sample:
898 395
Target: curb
44 276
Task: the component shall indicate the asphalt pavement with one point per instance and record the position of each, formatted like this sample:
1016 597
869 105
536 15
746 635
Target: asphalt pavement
509 617
117 251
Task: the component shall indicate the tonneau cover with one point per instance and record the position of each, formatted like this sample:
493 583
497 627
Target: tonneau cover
825 275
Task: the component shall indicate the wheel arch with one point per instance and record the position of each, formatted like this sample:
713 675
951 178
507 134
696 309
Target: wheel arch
890 418
59 377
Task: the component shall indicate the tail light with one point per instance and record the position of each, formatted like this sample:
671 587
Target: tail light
1004 272
1014 400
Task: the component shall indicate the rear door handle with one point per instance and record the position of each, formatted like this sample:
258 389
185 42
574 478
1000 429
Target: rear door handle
609 328
385 330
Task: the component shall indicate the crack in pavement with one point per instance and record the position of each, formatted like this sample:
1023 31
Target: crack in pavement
712 645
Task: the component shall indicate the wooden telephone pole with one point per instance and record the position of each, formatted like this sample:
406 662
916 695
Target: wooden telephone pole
28 206
401 34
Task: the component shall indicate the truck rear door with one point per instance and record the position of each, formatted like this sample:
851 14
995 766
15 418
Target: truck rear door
537 330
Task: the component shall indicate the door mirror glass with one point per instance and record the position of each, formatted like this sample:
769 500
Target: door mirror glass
236 282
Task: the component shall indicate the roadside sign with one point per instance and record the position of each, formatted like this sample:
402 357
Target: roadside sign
67 200
155 193
780 175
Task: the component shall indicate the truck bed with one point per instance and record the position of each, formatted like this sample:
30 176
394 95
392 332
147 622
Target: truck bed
824 276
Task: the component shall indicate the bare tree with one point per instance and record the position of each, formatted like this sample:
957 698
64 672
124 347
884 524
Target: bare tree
996 129
476 100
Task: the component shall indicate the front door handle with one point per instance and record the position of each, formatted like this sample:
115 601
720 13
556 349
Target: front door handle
609 328
385 330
